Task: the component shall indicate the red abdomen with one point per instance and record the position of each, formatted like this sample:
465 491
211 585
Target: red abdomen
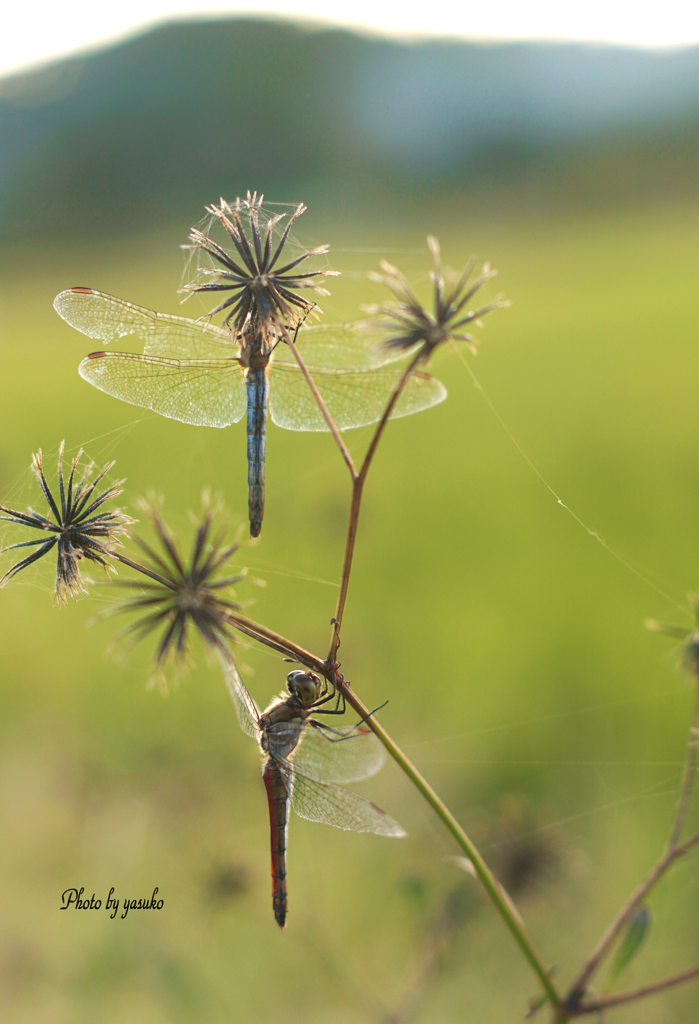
278 819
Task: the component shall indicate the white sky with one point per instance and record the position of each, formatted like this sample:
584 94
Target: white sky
35 34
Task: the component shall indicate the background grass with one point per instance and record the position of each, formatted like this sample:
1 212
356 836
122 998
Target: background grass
508 641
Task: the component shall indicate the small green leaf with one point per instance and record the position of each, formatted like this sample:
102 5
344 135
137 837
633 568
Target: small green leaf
630 944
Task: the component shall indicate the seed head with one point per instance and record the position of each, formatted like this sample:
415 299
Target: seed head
263 292
409 324
77 530
182 596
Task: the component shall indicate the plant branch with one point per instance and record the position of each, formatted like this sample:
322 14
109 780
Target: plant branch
579 985
277 642
497 894
598 1005
143 569
673 850
344 451
358 481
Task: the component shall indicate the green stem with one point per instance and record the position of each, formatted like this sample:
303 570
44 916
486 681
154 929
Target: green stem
690 768
498 896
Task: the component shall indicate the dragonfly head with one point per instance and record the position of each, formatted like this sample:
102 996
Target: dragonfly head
304 686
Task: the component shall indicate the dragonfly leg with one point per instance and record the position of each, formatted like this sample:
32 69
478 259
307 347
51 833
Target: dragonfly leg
340 705
325 729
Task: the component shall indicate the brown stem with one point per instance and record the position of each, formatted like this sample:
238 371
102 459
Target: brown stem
358 481
579 985
597 1005
277 642
357 487
344 451
142 569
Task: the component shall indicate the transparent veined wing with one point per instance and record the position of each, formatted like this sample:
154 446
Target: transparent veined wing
245 707
335 805
107 318
354 398
203 392
342 346
338 755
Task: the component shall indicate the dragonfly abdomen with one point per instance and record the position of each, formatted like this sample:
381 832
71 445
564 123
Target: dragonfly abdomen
278 824
257 391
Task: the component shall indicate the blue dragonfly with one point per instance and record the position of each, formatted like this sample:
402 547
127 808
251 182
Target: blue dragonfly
198 373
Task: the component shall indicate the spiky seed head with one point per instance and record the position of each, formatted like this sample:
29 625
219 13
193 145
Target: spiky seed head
410 325
78 531
181 595
264 289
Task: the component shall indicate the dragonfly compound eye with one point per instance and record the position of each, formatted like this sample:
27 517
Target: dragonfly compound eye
305 686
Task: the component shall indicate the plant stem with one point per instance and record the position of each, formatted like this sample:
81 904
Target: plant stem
690 767
579 985
497 894
277 642
344 451
673 850
598 1005
143 569
358 481
358 478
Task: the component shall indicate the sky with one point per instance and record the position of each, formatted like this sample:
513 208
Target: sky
30 39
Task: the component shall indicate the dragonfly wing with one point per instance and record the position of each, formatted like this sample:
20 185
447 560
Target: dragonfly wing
338 755
335 805
245 707
341 346
354 398
108 318
203 392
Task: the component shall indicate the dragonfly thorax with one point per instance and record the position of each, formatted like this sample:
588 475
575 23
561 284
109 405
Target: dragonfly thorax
257 342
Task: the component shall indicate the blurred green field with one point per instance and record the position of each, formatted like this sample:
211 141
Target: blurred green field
507 640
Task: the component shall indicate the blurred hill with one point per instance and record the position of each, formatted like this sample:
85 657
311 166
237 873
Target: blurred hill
194 110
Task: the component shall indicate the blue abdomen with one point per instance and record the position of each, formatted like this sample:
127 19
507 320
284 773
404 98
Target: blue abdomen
257 389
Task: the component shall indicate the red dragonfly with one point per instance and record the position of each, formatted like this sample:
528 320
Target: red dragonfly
304 760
